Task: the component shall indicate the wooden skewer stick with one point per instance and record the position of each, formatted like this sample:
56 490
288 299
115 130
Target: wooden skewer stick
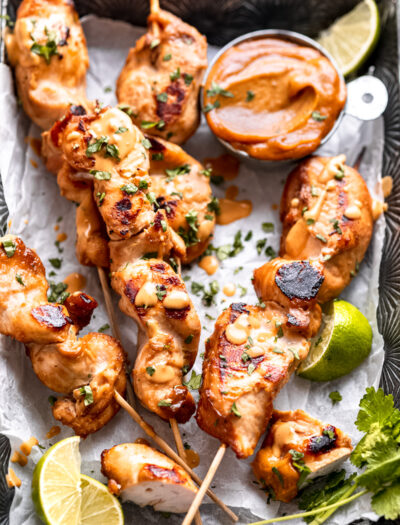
170 452
204 486
154 8
182 454
109 307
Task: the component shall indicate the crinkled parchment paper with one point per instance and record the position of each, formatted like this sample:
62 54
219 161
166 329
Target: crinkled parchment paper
35 205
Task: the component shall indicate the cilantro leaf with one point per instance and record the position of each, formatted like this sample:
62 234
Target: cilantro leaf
375 407
194 382
387 502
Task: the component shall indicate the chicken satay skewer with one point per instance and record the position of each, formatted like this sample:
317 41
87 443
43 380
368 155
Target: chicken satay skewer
170 452
204 486
315 276
116 333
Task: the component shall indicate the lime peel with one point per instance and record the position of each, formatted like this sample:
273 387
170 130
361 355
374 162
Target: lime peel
351 39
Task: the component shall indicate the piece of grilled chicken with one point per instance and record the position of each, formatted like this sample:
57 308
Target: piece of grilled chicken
298 447
327 226
151 219
326 211
139 473
248 359
161 78
47 49
85 370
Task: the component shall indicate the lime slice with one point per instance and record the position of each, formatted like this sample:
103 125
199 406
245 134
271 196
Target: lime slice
56 491
344 341
351 39
98 506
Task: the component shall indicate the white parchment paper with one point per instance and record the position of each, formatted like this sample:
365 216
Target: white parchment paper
35 205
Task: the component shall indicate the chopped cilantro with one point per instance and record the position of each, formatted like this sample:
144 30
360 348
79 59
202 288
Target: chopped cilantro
216 90
335 397
9 247
316 115
194 382
86 391
209 107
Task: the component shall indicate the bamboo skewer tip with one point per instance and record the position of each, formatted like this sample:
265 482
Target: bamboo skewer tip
204 486
148 429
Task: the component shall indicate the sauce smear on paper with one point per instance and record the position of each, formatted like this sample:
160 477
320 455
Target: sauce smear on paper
209 264
12 479
75 282
225 166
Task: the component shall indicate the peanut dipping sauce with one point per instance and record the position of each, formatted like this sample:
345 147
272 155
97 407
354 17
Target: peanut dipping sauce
232 210
209 264
274 99
75 282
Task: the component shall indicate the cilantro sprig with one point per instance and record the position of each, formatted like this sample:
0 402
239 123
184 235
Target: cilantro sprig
377 453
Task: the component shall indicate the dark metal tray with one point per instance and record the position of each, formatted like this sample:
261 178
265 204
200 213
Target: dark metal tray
221 21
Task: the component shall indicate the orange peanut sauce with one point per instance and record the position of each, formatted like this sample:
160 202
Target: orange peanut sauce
280 98
142 441
26 447
75 282
225 165
229 289
34 164
209 264
61 237
36 145
12 479
192 458
378 207
232 210
18 457
54 431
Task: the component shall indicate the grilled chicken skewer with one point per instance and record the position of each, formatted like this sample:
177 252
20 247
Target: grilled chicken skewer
161 78
298 447
47 49
139 473
86 371
327 217
141 225
326 211
44 105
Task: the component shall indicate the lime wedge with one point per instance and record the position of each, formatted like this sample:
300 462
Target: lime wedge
351 39
56 490
344 341
98 506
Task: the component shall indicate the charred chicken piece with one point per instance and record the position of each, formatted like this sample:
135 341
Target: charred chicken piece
105 149
249 358
85 370
141 474
298 447
48 52
184 192
326 211
295 286
25 312
150 219
161 79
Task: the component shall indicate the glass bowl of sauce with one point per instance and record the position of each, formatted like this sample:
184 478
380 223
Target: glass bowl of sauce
273 95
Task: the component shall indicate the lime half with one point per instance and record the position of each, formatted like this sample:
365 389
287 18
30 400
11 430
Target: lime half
351 39
56 485
344 341
98 506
